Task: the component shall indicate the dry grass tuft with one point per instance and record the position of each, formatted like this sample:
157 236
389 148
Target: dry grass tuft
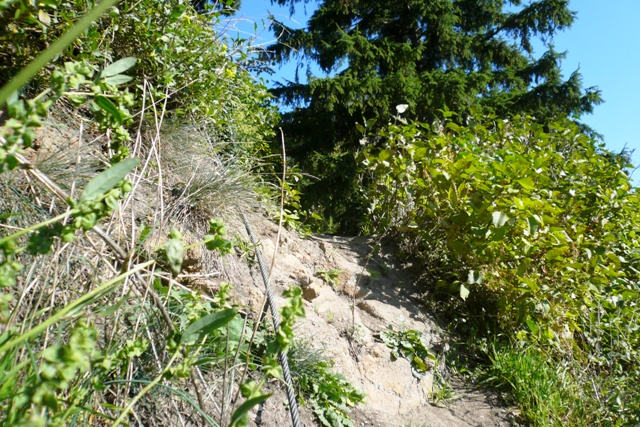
181 181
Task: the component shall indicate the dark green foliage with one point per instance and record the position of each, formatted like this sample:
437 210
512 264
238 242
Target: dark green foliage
465 55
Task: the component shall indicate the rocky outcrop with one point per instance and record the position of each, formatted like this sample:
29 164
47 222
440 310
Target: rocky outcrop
351 295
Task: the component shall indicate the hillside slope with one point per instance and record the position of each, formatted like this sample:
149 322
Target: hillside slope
364 295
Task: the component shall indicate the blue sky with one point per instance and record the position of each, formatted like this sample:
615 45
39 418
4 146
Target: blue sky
604 43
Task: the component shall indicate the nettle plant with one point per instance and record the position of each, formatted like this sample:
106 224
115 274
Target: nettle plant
531 228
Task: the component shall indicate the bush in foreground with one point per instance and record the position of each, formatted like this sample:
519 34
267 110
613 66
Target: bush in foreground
524 230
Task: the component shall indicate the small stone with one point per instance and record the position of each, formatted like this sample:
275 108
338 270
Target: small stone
310 292
305 281
355 291
377 350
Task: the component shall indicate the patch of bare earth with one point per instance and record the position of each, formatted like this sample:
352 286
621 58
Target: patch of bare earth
344 319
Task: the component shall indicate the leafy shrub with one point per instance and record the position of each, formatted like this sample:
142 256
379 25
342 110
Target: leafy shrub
181 61
526 229
186 57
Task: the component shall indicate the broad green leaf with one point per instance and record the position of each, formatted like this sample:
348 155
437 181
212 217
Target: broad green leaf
384 155
499 219
172 252
556 252
118 79
108 179
527 183
454 127
419 364
119 67
419 153
615 259
239 417
44 17
457 245
452 196
204 326
460 219
109 107
235 329
532 226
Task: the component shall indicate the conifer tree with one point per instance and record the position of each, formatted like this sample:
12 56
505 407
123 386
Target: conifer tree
468 56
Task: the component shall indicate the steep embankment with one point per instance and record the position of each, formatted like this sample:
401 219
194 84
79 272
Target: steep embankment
351 296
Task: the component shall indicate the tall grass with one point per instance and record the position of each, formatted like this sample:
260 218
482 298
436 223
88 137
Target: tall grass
547 394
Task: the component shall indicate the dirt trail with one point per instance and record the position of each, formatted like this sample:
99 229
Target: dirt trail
344 318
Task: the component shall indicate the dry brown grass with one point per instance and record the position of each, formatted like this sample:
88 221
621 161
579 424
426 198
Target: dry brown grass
181 181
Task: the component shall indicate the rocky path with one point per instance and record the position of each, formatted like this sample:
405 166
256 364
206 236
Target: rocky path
350 297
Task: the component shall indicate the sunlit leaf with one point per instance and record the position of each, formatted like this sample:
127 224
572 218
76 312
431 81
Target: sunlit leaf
464 292
108 106
527 183
239 417
108 179
204 326
499 219
118 79
119 67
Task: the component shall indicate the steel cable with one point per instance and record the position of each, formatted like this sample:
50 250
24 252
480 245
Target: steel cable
282 357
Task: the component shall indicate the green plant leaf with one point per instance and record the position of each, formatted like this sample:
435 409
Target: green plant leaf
239 417
207 324
108 179
419 364
556 252
172 252
527 183
108 106
118 80
119 67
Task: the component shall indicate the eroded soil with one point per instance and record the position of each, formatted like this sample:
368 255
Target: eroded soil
344 316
